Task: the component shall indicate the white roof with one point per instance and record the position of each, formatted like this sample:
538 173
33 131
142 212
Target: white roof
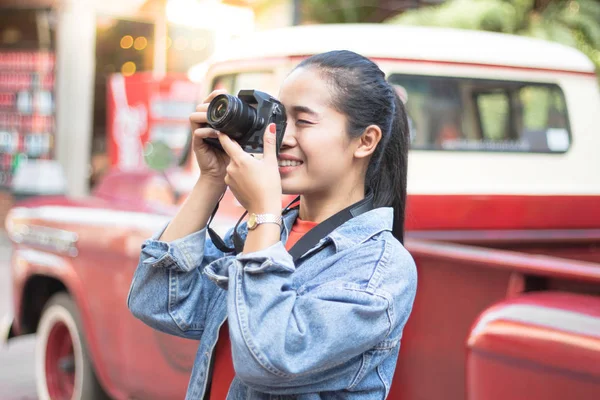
407 42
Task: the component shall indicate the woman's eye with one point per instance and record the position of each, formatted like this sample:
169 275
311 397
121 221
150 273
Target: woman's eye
303 122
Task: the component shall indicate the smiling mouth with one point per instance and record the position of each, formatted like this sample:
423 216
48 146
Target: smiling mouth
288 163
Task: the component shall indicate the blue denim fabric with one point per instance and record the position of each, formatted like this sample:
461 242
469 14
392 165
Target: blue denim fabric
328 326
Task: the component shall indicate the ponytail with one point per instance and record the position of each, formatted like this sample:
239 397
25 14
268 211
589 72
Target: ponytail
389 181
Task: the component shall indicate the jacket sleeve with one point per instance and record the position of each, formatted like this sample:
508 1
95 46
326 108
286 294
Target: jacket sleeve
289 341
169 292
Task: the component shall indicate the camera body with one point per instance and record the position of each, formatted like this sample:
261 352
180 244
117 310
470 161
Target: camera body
244 119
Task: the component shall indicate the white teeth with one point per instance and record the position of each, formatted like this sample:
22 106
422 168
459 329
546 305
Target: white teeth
288 163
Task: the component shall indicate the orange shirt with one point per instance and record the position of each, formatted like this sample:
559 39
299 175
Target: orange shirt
223 372
299 228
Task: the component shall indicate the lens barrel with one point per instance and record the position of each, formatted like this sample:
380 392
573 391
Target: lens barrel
230 115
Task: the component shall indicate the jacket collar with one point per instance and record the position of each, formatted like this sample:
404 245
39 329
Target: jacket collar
353 232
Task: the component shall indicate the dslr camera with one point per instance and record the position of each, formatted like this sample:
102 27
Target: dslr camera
244 119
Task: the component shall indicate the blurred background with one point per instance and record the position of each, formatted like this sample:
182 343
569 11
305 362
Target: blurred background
58 57
67 65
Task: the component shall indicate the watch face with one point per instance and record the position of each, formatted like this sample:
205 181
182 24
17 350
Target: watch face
252 221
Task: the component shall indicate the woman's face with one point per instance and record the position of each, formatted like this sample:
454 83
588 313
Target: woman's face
316 153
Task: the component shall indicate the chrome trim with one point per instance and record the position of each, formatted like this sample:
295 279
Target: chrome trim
58 240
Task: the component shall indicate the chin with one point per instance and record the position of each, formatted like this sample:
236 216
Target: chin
292 188
286 191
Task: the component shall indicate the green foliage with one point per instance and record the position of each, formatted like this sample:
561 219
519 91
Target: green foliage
350 11
574 23
492 15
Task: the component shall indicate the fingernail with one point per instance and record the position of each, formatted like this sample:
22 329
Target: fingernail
272 128
197 131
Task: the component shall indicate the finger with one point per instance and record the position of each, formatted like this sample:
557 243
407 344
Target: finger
270 143
214 94
233 149
204 105
198 117
198 120
204 133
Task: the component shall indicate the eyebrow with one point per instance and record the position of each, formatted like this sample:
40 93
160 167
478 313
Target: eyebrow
306 110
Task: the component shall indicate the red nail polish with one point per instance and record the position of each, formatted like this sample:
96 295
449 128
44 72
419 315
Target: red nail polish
272 128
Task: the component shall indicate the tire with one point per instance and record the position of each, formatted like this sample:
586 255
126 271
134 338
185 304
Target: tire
63 366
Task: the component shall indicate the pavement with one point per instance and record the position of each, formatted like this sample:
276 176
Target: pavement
17 376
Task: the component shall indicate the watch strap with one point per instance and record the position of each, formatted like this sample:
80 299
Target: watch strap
267 219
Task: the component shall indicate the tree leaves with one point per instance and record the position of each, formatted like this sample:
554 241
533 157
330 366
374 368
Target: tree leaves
574 23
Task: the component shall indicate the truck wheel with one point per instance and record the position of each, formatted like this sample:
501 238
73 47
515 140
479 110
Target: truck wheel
62 363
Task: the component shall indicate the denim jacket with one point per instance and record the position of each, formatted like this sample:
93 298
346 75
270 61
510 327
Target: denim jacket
326 326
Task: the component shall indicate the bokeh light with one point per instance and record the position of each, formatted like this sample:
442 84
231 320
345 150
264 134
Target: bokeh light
126 41
199 44
140 43
181 43
128 68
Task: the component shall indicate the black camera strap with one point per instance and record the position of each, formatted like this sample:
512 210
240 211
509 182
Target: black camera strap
312 237
306 242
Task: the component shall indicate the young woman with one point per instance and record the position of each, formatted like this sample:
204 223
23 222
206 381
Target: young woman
326 324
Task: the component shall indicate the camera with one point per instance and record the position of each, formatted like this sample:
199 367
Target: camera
244 119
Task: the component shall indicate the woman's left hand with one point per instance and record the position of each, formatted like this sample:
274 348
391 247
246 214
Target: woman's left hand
255 182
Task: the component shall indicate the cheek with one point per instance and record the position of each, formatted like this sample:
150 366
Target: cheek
326 154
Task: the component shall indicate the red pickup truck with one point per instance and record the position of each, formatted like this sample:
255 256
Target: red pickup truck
503 222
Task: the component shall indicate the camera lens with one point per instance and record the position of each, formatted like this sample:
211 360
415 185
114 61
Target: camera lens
230 115
220 109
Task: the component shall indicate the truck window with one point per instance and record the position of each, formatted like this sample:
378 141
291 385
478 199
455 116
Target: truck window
493 111
223 82
462 114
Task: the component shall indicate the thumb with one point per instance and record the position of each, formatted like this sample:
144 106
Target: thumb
270 143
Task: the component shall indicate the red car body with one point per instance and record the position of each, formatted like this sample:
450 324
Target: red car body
508 300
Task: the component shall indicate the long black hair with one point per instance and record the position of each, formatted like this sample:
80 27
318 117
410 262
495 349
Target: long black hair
361 92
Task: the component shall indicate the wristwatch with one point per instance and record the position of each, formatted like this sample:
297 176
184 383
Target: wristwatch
256 219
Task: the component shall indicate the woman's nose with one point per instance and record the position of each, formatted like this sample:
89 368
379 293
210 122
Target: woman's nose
289 137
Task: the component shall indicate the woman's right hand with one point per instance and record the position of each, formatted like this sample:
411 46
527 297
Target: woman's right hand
212 161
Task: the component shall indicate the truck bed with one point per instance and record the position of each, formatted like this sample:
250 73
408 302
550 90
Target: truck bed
467 273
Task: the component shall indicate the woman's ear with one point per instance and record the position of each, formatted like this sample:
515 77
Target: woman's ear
368 141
